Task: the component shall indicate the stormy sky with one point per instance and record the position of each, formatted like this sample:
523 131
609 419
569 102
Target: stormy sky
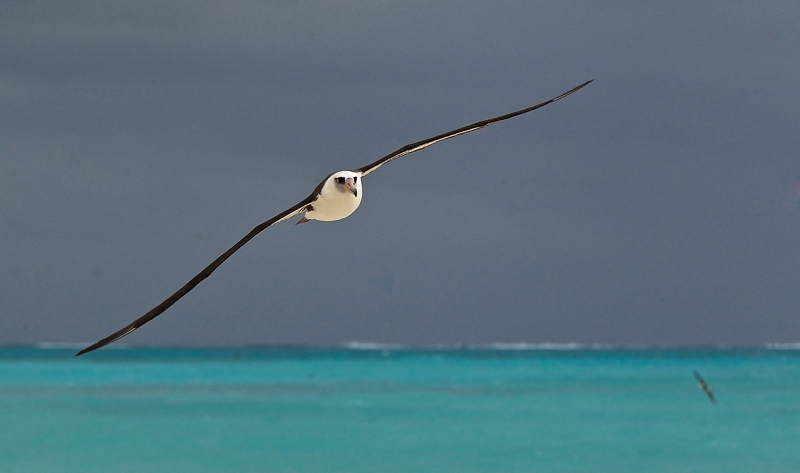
658 205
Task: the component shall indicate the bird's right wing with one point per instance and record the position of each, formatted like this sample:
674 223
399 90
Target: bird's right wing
160 308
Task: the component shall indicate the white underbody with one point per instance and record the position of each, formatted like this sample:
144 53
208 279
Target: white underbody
334 201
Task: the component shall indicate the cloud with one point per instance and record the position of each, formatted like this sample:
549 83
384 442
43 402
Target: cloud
140 140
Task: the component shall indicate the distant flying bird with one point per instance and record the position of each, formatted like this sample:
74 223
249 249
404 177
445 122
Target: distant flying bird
336 197
702 385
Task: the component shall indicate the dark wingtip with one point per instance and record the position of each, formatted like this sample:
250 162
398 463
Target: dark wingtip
112 338
92 347
85 350
573 90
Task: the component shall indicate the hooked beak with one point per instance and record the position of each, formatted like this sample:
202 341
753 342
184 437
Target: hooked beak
350 185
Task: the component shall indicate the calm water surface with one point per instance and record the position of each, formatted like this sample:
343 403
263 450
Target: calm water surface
398 410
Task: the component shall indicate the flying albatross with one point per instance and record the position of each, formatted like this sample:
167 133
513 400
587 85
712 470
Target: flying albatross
703 386
336 197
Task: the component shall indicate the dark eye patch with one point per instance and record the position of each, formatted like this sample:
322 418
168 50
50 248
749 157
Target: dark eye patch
340 180
355 179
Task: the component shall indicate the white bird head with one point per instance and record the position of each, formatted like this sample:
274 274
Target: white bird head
347 181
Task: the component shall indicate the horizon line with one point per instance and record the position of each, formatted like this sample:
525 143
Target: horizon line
366 346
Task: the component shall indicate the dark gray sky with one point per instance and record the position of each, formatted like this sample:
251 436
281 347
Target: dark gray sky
659 205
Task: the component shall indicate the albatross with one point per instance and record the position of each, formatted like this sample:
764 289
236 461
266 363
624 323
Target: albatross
703 386
336 197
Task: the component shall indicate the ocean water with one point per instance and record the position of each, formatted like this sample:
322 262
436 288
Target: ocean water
383 409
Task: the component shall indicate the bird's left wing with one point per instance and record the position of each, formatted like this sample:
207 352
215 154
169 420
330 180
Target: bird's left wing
410 148
157 310
699 378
